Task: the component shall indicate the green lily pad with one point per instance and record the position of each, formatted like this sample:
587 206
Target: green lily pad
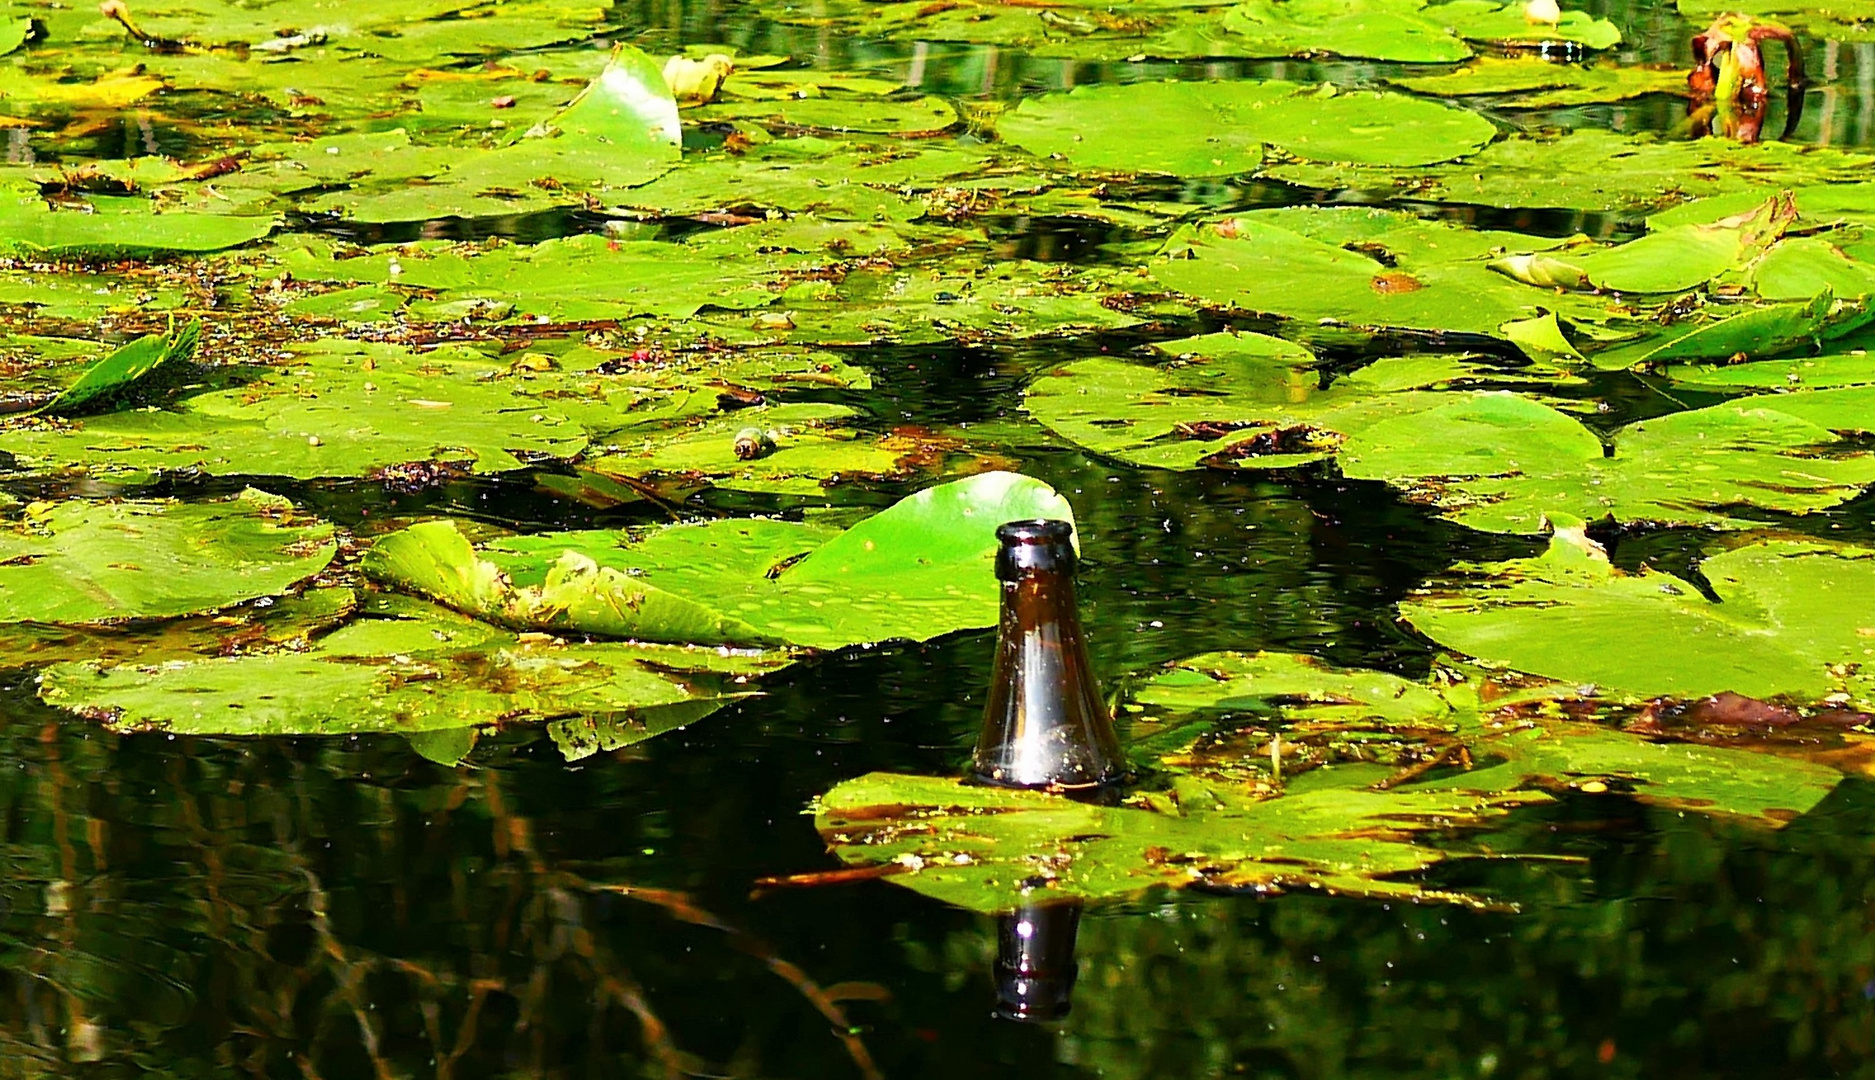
112 225
1241 401
991 849
1503 463
341 410
579 277
1593 169
1668 260
1793 619
289 621
919 116
1528 82
916 570
1511 731
1741 331
1370 269
1219 129
1400 30
1347 806
85 562
420 671
792 449
1804 373
1837 20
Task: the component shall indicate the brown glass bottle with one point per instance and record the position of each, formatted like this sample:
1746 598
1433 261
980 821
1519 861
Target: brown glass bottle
1045 725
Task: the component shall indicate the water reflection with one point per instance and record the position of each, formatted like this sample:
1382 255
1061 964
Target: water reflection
1035 964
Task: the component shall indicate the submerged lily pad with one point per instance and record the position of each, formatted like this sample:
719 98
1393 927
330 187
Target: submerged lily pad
84 562
1792 618
1219 128
916 570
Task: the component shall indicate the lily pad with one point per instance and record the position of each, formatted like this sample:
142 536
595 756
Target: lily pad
1371 269
86 562
1401 30
1791 618
917 570
337 411
1594 169
1530 82
1219 129
421 670
1503 463
1300 775
115 374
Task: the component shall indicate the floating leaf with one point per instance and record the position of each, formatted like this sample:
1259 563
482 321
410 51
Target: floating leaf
1402 30
916 570
424 670
1339 813
125 367
1503 463
1530 82
1599 170
84 562
1219 128
1359 267
1793 618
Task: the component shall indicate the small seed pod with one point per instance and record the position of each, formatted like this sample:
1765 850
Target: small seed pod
752 443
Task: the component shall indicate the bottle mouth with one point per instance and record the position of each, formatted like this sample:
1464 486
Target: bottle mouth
1033 544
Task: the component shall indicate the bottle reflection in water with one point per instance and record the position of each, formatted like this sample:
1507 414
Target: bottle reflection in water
1035 964
1045 725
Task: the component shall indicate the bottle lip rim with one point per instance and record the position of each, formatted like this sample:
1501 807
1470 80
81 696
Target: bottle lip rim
1035 531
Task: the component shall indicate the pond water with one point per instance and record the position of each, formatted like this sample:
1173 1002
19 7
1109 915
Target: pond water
282 876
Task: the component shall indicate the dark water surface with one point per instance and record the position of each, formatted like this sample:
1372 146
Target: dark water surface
197 907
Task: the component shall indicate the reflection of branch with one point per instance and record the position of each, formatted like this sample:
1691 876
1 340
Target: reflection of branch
681 906
513 832
349 974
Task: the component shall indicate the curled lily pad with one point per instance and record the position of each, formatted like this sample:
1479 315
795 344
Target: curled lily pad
1667 260
916 570
1791 618
1219 129
1742 332
84 562
115 374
